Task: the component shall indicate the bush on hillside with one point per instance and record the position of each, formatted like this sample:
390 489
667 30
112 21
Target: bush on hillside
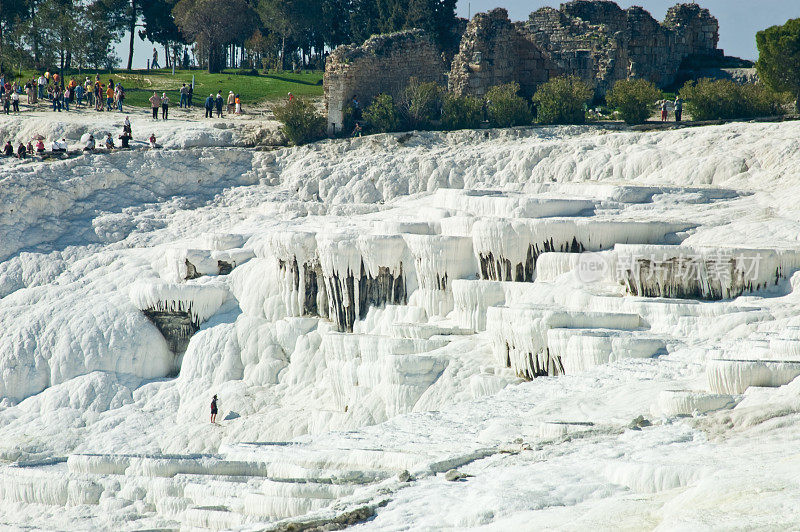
763 101
506 108
461 112
301 121
382 115
562 100
421 104
723 99
634 99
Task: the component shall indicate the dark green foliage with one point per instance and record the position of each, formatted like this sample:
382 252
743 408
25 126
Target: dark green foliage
779 58
301 121
634 99
723 99
200 21
562 100
382 115
506 107
421 104
461 112
437 17
159 25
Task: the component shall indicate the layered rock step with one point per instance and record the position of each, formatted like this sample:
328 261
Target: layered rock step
520 334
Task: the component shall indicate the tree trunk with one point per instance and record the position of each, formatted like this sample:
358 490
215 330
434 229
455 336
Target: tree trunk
283 53
216 58
132 28
35 38
2 66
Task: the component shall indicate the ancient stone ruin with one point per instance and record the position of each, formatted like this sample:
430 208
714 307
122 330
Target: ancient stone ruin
383 64
596 40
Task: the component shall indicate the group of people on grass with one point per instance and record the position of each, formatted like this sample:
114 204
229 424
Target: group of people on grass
162 103
101 96
61 146
62 93
234 104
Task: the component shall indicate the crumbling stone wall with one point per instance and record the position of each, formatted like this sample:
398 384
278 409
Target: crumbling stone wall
595 40
383 64
494 51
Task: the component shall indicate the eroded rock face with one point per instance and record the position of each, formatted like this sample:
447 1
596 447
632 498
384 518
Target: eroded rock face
177 328
350 298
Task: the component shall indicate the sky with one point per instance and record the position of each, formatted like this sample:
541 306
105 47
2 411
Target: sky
739 21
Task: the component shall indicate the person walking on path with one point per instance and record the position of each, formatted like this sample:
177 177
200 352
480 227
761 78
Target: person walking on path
42 83
154 65
57 99
664 110
15 101
210 106
67 95
214 409
184 97
191 93
678 108
164 106
231 102
219 104
119 96
238 105
110 97
155 103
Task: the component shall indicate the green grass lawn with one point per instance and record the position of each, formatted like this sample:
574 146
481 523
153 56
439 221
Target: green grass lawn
140 84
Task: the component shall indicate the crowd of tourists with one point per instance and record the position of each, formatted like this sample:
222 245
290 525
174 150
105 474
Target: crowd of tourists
63 95
36 146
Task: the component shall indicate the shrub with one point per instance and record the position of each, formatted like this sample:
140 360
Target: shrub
421 104
506 108
722 99
301 122
763 101
348 120
461 112
562 100
634 99
382 115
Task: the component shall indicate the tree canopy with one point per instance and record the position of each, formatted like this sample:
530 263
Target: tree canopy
220 33
779 58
